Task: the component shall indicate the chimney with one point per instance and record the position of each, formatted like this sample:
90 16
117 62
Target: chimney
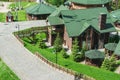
102 20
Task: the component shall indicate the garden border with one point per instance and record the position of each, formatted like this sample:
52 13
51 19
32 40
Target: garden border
68 71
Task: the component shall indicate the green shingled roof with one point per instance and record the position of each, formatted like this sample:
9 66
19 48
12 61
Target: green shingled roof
54 18
111 46
94 54
115 15
77 21
89 2
117 50
40 8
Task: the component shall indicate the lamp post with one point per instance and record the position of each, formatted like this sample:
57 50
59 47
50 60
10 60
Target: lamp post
16 14
18 27
55 56
19 4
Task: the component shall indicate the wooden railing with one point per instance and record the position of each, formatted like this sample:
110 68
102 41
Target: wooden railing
19 39
69 71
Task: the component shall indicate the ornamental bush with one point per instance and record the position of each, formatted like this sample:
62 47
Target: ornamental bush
64 54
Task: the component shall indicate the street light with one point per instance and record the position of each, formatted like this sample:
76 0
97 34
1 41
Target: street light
16 14
18 27
55 56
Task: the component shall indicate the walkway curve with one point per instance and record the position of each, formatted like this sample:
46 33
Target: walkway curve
26 65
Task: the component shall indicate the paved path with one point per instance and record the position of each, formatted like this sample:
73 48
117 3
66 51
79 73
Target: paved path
4 8
20 60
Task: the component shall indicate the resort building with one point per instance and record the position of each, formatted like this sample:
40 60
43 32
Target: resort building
116 17
84 4
39 11
92 30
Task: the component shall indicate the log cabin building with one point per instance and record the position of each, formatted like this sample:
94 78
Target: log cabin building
117 51
39 11
115 15
90 26
57 24
84 4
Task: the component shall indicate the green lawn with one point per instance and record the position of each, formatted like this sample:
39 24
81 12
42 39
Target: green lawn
21 13
2 17
23 4
91 71
6 73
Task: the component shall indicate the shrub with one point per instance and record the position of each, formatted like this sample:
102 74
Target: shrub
75 47
58 43
109 64
64 54
42 44
78 57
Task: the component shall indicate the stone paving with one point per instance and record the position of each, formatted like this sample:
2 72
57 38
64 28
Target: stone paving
26 65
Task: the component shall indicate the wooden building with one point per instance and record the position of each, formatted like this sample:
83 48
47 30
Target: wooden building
90 26
39 11
110 48
117 51
116 17
84 4
57 24
94 57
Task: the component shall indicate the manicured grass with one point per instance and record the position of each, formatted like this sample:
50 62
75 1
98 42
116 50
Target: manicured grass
6 73
2 17
91 71
23 4
21 15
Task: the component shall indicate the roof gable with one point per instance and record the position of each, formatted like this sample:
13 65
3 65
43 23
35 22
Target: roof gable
115 15
90 2
40 8
117 50
76 21
54 18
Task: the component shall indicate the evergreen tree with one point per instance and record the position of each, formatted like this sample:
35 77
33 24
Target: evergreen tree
56 2
105 64
58 43
112 63
42 44
109 64
75 47
64 54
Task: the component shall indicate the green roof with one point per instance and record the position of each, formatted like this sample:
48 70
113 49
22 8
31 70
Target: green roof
94 54
111 46
117 50
115 15
89 2
54 18
77 21
41 8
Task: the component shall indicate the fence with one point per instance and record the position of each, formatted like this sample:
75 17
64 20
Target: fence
19 39
69 71
55 65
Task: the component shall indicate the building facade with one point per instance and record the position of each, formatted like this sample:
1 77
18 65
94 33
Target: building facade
90 30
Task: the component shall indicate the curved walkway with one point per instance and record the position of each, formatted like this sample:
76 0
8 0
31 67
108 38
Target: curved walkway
4 8
20 60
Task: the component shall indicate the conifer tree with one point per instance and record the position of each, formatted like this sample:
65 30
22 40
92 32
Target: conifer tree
42 44
58 43
75 47
109 64
64 54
